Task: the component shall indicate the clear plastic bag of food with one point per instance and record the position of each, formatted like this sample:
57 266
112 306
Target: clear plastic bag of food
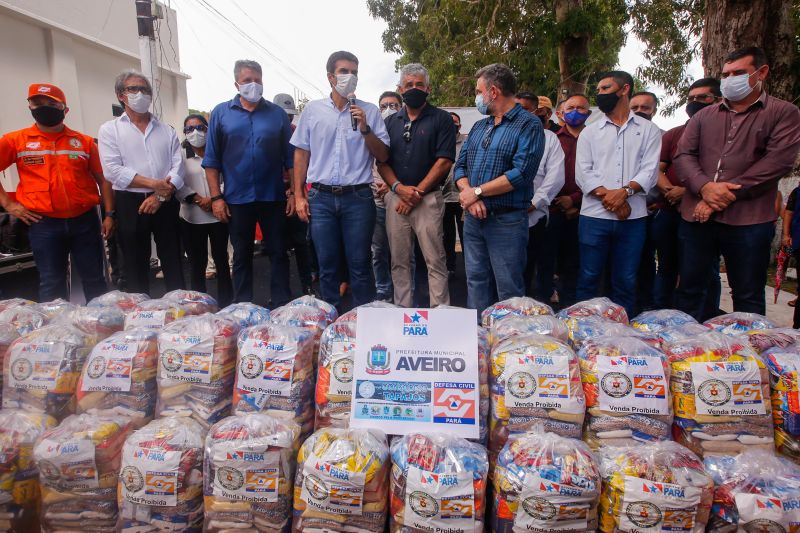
660 319
97 322
125 301
438 482
341 485
161 478
246 314
42 369
535 382
195 302
784 365
739 323
334 387
602 306
763 339
274 374
119 377
682 332
659 486
79 462
25 318
19 478
626 384
331 314
55 308
516 306
308 313
197 364
8 334
14 302
513 325
545 482
755 491
249 469
154 314
582 328
721 395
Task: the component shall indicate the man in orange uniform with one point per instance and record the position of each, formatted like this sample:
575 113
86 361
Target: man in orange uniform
59 174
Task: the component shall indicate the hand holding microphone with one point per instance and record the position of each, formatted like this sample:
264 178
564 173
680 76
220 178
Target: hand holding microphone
353 121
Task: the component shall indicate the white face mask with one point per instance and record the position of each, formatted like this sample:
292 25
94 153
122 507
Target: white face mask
388 112
251 91
196 138
346 84
736 88
139 102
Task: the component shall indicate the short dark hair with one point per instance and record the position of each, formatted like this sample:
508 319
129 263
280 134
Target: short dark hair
526 95
646 93
500 76
619 76
341 55
454 114
711 83
390 94
755 52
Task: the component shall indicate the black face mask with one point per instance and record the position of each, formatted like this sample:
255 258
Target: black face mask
415 98
48 116
644 115
607 102
694 107
542 119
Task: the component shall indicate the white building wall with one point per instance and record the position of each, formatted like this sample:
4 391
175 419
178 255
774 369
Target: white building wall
81 46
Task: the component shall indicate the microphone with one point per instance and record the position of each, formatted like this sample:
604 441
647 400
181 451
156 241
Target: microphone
352 99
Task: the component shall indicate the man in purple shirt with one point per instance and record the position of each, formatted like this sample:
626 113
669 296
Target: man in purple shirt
730 159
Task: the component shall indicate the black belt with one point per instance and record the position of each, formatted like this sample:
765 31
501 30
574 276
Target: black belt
339 189
504 210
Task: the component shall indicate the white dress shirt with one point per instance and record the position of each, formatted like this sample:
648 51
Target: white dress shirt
611 156
339 155
549 178
125 152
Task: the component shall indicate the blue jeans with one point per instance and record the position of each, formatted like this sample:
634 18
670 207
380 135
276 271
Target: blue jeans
342 224
53 240
620 240
746 250
495 252
271 216
657 281
381 258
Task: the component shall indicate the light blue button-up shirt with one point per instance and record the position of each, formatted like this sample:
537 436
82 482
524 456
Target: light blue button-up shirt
339 155
612 156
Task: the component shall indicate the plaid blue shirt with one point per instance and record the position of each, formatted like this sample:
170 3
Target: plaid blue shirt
513 148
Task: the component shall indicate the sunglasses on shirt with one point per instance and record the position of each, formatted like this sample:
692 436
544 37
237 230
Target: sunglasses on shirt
199 127
407 132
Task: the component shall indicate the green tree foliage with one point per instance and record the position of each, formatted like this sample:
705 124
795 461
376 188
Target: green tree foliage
454 38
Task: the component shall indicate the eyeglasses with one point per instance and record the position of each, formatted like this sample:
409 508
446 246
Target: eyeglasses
407 131
137 89
701 98
390 106
199 127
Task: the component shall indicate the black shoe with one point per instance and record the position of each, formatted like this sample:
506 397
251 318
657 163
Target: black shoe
309 291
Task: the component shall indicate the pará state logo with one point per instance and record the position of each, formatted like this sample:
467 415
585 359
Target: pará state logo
415 324
378 360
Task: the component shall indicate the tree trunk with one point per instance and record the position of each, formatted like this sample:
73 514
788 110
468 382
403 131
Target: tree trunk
732 24
573 53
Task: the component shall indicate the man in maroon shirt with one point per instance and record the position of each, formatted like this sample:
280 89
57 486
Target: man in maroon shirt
563 224
730 158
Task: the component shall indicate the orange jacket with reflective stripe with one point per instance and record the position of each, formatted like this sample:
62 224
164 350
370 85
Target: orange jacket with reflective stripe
55 170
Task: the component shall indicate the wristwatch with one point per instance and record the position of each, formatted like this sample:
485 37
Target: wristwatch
478 191
367 131
217 197
111 214
629 190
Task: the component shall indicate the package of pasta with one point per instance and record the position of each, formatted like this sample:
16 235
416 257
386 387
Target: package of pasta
721 395
626 384
535 382
583 328
154 314
42 369
14 302
274 374
660 486
341 485
124 301
97 322
308 313
195 302
161 478
19 478
544 482
119 377
783 364
517 306
756 491
660 319
79 462
438 483
55 308
249 468
246 314
603 307
197 364
739 323
25 318
512 325
762 340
